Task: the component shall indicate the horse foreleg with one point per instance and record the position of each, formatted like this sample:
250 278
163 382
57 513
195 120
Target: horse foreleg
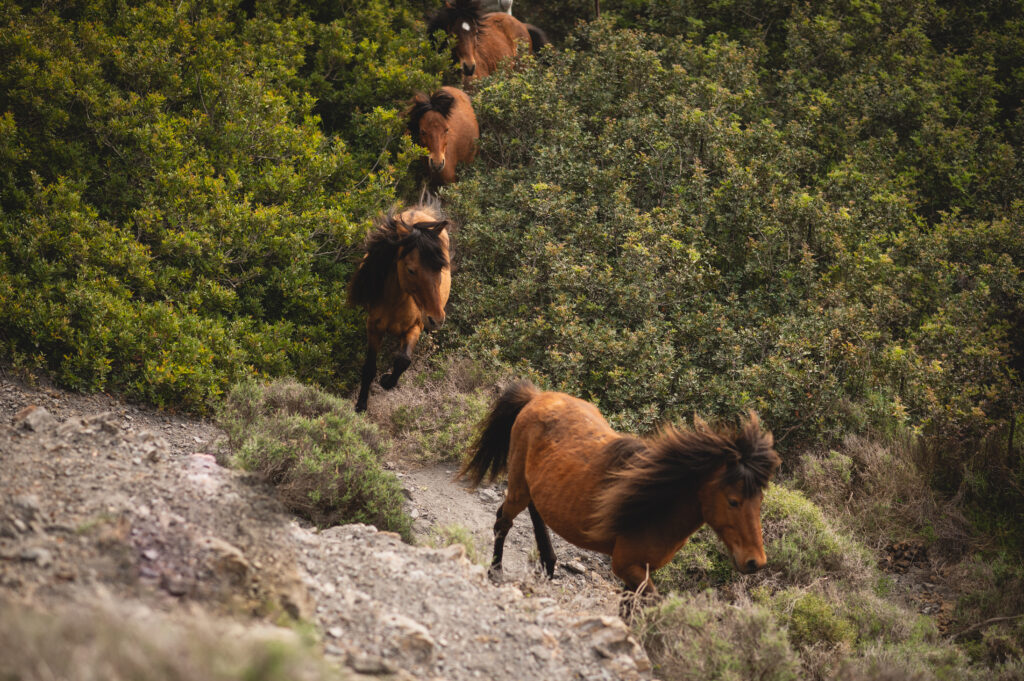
632 569
403 358
540 531
373 341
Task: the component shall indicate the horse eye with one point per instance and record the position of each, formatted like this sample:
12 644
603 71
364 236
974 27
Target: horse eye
734 503
411 270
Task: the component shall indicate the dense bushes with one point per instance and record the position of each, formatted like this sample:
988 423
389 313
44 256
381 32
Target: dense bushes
662 226
323 458
177 208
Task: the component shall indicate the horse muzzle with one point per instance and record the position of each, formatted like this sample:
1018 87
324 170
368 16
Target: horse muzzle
434 323
468 70
437 167
749 566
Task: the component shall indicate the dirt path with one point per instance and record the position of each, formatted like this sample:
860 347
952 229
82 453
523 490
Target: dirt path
102 501
583 580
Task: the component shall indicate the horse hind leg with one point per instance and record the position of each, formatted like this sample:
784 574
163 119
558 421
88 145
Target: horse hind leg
540 532
503 523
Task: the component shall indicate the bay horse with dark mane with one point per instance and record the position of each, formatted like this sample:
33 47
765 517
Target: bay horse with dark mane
637 500
482 39
403 282
445 124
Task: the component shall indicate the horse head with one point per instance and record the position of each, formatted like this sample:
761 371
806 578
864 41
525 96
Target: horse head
422 263
730 498
428 125
461 19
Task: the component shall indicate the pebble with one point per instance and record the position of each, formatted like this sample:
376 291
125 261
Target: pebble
38 555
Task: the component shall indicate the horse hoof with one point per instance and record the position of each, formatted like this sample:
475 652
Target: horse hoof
387 381
496 575
360 407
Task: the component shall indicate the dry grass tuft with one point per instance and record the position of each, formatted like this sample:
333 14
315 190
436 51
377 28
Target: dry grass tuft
90 642
433 414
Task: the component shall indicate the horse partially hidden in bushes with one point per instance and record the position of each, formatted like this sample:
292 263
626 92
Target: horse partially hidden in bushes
635 499
482 39
445 124
403 282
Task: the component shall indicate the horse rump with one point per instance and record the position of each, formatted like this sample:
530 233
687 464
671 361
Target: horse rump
490 450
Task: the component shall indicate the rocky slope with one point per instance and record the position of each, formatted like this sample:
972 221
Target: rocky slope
106 502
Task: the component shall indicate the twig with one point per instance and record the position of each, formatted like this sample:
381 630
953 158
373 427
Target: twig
988 622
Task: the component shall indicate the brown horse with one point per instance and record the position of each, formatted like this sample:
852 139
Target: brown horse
445 124
403 282
637 500
482 39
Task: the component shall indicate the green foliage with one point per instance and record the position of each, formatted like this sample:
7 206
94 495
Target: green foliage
699 636
178 210
665 226
802 545
323 458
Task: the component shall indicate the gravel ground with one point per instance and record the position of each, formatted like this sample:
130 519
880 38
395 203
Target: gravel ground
100 499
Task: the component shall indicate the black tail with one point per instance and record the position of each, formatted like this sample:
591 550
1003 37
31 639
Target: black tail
538 38
490 451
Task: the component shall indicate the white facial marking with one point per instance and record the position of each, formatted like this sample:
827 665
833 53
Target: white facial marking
465 25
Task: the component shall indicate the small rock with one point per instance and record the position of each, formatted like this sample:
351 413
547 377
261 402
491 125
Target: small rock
488 496
412 638
38 555
574 566
34 418
28 506
365 663
150 554
336 632
175 585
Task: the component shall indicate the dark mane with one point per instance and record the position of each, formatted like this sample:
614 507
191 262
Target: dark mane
454 13
384 244
421 104
646 476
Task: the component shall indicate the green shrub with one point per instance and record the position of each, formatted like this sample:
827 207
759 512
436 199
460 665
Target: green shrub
700 636
801 543
322 457
178 210
680 229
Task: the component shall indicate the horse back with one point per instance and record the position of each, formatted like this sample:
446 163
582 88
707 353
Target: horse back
558 448
514 29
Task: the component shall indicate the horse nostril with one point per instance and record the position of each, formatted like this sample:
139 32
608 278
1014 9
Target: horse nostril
752 565
468 69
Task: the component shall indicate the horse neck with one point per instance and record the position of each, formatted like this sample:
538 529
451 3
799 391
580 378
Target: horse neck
394 294
685 517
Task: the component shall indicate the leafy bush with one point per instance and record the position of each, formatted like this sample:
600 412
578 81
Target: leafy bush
177 209
802 545
322 457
